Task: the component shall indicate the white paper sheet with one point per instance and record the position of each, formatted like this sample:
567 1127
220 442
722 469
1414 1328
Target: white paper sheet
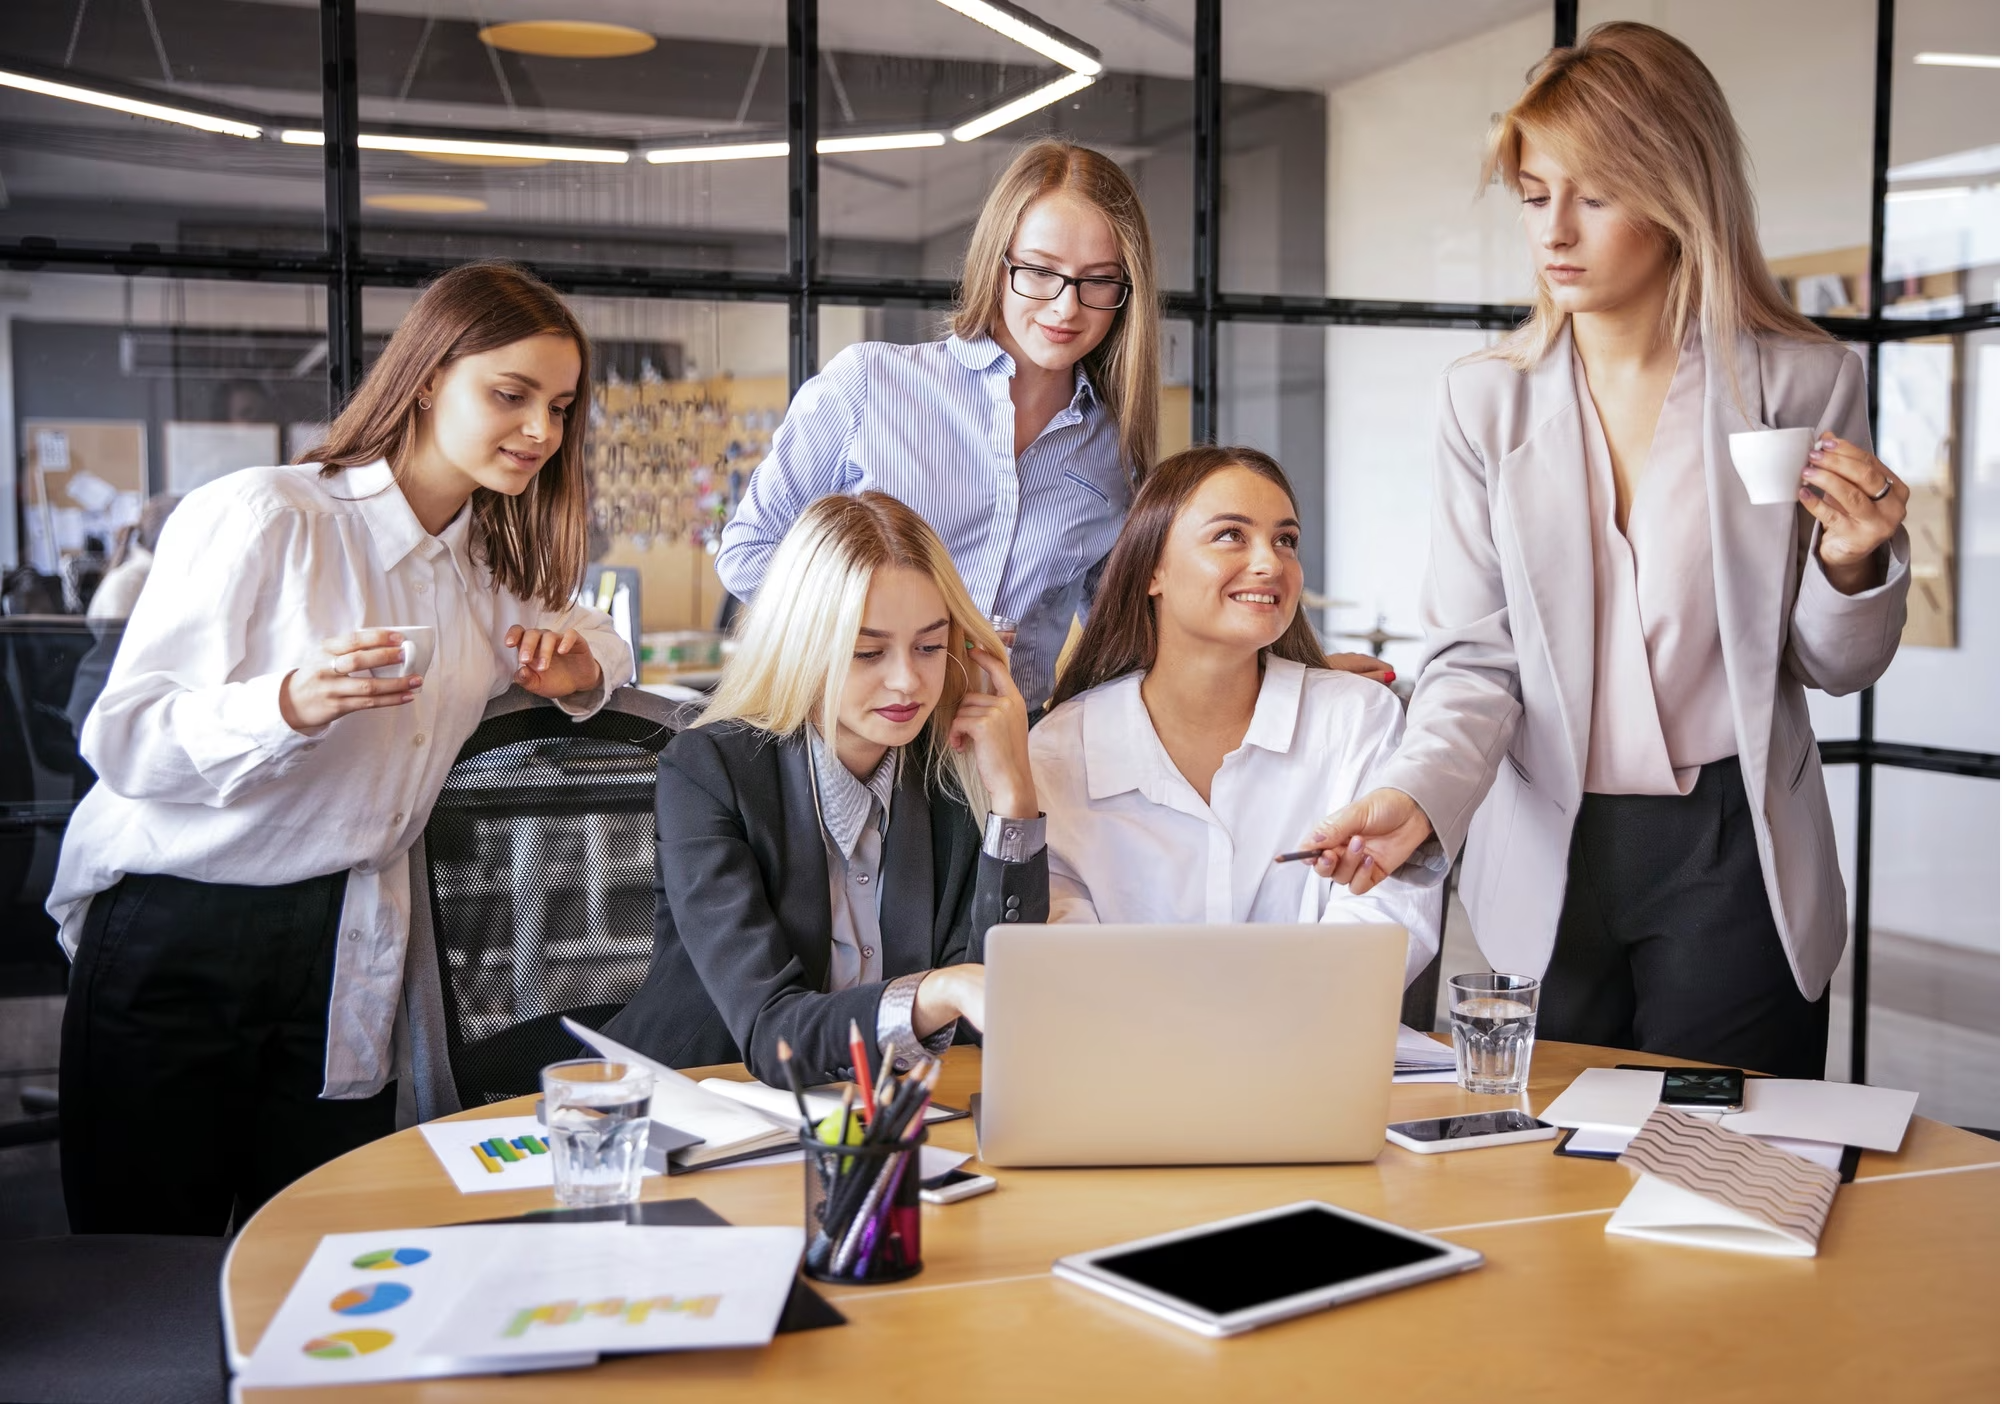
635 1289
777 1102
453 1141
1843 1113
1612 1099
366 1303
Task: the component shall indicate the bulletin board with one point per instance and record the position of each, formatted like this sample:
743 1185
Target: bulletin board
669 460
83 477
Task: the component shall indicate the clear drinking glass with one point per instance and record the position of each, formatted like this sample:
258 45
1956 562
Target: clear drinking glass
1494 1031
596 1112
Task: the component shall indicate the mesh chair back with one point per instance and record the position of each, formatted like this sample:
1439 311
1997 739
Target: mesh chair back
540 859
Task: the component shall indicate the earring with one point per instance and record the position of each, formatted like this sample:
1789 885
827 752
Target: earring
423 403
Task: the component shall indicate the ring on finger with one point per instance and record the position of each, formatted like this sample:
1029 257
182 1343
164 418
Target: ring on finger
1885 491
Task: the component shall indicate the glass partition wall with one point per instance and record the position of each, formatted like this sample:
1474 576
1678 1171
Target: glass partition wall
212 213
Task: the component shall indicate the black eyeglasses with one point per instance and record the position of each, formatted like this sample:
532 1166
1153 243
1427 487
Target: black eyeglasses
1047 285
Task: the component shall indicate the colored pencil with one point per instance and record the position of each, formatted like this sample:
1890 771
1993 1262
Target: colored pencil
859 1051
792 1077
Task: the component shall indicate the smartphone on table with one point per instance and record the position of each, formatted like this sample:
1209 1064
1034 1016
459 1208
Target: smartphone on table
1470 1132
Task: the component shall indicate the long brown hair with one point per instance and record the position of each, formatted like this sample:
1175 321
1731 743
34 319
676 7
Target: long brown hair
1634 111
1125 368
535 544
796 638
1122 634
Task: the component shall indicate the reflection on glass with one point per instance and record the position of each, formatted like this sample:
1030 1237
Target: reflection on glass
922 106
1352 153
620 135
1941 215
157 127
128 387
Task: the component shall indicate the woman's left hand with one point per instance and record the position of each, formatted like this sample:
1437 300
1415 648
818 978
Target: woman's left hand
552 663
996 725
1860 504
1363 665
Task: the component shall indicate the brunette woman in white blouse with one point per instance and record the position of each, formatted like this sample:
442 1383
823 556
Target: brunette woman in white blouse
1619 638
235 890
1198 729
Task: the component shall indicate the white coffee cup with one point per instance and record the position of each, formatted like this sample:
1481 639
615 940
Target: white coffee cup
420 641
1770 462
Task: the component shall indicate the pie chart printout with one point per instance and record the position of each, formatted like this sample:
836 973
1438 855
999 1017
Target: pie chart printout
347 1345
390 1259
367 1301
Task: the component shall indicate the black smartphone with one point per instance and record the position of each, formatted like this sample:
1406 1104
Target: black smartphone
1703 1089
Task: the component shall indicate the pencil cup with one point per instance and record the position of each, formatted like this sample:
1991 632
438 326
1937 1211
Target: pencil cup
862 1211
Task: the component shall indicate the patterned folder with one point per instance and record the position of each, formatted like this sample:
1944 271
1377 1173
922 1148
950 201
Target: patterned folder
1702 1185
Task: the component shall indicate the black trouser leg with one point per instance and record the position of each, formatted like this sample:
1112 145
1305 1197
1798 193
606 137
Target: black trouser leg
193 1054
1671 888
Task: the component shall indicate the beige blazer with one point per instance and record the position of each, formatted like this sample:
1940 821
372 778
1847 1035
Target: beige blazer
1494 745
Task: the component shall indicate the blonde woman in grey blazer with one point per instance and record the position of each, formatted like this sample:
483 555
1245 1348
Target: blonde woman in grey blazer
1611 715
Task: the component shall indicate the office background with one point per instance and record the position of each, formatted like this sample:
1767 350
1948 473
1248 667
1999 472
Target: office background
1309 168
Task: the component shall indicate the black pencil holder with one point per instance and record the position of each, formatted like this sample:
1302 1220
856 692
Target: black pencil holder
862 1221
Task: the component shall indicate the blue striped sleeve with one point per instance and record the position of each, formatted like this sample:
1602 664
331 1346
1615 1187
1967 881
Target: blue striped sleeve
810 458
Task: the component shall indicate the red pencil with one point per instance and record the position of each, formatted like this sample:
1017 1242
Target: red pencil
859 1051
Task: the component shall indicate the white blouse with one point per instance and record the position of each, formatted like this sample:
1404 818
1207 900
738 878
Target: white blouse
200 777
1131 841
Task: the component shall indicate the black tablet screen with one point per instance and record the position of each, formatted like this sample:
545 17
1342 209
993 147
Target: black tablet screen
1245 1266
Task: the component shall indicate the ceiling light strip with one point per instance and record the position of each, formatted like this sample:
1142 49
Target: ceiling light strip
827 146
1936 60
1021 107
1031 32
131 106
444 146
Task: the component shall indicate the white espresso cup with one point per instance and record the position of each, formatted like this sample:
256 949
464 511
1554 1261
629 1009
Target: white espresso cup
1770 462
420 641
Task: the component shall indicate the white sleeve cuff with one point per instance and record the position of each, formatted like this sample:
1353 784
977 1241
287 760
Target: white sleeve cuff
903 1048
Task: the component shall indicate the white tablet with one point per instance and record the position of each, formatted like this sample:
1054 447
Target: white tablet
1237 1274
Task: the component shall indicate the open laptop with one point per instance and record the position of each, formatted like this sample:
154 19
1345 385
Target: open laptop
1188 1045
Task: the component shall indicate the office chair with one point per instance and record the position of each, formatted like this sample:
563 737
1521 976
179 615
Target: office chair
532 895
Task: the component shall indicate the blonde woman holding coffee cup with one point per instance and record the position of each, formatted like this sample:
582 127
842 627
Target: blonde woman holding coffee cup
1620 629
313 647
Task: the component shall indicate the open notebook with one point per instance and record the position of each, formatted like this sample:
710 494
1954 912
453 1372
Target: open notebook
1707 1187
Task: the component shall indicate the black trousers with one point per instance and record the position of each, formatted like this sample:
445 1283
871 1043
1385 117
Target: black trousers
193 1054
1667 942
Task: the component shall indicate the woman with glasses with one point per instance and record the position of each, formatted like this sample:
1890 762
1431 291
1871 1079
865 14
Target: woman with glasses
1019 436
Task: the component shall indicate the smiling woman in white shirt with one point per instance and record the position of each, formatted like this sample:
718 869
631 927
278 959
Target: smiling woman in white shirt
235 890
1198 724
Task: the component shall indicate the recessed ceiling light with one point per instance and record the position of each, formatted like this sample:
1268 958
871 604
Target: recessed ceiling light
131 106
576 39
1021 107
1959 60
886 141
1031 32
1935 192
425 204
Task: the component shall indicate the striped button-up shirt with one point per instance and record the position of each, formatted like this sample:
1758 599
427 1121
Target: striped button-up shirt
934 426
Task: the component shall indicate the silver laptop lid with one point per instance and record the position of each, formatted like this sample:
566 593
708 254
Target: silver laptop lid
1188 1045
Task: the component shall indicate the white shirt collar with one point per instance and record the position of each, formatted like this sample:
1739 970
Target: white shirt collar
391 522
1123 752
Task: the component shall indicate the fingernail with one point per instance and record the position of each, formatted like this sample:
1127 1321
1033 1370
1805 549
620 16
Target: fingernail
1355 844
416 683
1390 675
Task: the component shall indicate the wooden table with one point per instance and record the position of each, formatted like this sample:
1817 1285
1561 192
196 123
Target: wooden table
1901 1303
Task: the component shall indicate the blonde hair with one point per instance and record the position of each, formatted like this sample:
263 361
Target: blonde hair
1125 368
1633 111
796 639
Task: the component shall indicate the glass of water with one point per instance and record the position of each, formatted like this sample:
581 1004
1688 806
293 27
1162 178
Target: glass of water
596 1112
1494 1031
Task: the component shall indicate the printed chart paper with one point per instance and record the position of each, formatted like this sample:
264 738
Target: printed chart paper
494 1153
405 1304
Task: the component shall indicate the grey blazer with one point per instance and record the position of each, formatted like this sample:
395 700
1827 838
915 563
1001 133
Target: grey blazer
1495 739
